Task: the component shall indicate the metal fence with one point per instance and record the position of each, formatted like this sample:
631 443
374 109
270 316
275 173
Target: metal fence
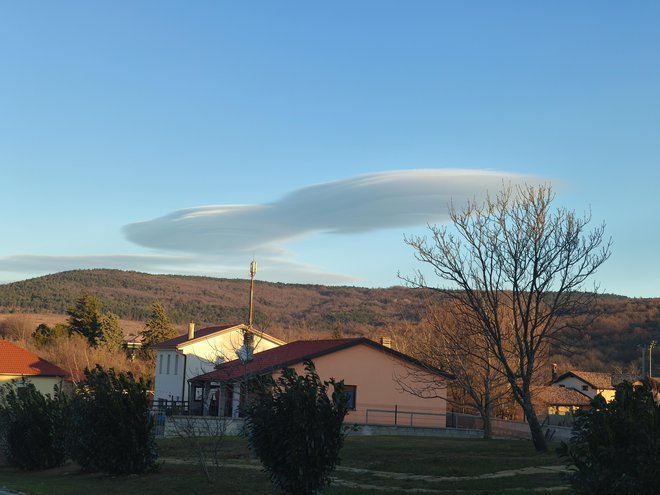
555 427
162 409
422 419
171 407
399 417
383 416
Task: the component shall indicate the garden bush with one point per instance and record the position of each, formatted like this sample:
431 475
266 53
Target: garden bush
295 428
615 446
111 428
32 426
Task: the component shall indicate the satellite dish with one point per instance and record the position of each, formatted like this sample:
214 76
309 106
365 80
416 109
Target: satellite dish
245 353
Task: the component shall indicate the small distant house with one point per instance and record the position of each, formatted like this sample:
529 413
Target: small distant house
133 343
588 382
17 363
198 352
558 401
371 372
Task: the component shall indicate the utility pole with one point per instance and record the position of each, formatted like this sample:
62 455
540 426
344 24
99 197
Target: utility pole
245 353
643 348
651 346
253 272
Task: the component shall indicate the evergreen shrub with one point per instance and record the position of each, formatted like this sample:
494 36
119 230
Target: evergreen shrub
295 428
32 426
615 447
111 427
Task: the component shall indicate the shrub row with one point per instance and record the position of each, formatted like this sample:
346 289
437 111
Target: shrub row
105 426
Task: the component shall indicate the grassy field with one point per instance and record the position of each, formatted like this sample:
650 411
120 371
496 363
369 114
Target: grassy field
392 465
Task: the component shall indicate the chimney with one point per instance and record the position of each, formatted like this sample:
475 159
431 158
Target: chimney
386 342
554 372
191 330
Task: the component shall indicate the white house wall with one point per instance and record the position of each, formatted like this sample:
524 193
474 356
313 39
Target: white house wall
43 384
169 380
577 384
224 346
198 357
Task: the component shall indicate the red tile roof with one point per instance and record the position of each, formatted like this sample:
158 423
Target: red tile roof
15 360
289 354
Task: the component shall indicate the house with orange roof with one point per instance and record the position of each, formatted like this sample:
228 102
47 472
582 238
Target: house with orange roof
373 375
590 383
17 363
559 401
198 352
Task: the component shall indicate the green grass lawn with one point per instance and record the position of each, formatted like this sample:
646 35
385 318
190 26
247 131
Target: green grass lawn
364 460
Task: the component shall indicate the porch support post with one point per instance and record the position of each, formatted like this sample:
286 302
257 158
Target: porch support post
236 400
207 398
221 399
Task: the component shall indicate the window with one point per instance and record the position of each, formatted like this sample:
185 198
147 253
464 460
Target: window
585 387
198 393
160 364
176 364
351 392
168 363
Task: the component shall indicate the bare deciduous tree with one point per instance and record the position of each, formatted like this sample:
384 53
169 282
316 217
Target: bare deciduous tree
16 327
448 339
516 265
203 438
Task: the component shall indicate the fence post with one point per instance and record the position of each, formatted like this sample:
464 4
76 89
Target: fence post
396 413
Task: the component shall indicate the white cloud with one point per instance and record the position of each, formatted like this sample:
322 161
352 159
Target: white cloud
24 266
386 200
219 240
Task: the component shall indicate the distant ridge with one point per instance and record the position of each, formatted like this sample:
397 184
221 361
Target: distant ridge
208 300
297 310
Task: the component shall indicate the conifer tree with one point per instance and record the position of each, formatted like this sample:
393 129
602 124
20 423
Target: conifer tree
110 333
85 318
44 335
158 327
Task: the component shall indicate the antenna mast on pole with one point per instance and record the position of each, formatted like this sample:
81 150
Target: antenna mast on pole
253 272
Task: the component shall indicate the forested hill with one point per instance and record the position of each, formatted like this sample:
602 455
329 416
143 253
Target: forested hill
294 310
207 300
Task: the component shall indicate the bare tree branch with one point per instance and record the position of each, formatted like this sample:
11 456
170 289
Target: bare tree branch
518 268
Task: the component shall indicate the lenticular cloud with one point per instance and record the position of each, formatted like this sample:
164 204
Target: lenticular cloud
364 203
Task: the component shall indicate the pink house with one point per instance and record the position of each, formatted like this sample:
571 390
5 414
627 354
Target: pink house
374 376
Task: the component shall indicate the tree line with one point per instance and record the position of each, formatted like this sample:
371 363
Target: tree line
103 329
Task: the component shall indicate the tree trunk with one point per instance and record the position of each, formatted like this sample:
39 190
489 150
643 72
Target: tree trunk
538 438
488 420
487 413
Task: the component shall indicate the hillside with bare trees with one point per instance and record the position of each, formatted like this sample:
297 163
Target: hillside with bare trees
293 311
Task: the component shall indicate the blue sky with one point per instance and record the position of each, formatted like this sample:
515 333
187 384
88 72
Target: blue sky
188 137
